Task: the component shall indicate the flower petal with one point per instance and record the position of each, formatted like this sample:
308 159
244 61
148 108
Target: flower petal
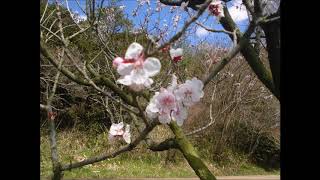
117 61
115 129
138 76
164 118
152 109
125 68
148 83
152 66
180 115
127 136
134 51
125 80
173 86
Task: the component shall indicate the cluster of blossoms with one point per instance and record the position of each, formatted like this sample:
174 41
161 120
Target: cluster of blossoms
118 131
135 70
216 8
172 103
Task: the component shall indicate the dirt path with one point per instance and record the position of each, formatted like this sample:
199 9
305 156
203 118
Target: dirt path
272 177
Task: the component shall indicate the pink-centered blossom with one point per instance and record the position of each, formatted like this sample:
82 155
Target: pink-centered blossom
216 8
117 131
172 103
135 70
176 54
190 92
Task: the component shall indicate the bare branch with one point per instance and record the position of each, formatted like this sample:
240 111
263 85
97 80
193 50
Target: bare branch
79 32
66 72
105 156
42 106
60 23
235 37
212 120
249 7
51 117
213 30
186 25
81 7
54 34
165 145
48 16
220 65
44 12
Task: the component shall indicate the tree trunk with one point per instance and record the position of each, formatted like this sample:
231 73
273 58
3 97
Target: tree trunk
251 56
272 32
191 154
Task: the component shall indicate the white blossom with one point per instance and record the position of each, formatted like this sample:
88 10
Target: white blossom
118 130
135 70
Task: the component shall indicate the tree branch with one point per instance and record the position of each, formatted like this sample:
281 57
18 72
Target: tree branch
56 167
105 156
190 153
186 25
250 54
165 145
213 30
221 64
66 72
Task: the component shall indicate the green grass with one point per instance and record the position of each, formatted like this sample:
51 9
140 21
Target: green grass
73 146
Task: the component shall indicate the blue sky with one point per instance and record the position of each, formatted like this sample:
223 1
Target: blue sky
236 10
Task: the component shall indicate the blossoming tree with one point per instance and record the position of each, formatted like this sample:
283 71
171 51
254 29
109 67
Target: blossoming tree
138 67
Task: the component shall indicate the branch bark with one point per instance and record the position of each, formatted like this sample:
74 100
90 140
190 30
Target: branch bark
190 153
56 166
251 56
272 32
165 145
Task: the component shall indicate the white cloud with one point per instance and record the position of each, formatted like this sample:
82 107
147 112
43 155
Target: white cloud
201 32
238 11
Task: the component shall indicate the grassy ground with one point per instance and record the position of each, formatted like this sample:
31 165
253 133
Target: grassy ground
74 146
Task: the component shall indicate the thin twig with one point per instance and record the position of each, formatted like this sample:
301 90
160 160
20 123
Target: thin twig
44 12
79 32
186 25
48 16
213 30
51 32
71 15
212 120
90 81
221 64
